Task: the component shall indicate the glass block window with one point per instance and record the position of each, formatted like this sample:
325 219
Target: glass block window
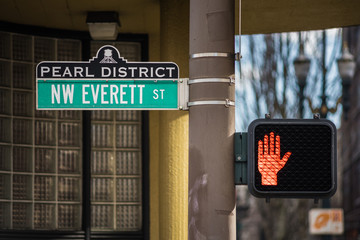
116 171
40 151
41 170
116 200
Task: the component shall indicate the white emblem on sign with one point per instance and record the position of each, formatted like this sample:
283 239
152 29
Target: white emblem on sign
108 57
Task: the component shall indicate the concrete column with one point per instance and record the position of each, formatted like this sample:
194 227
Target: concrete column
211 127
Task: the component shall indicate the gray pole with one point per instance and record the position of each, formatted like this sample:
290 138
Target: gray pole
211 125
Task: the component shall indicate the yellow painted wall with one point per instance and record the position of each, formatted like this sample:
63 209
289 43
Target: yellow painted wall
169 135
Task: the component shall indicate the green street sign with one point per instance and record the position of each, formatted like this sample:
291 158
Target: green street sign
107 94
108 81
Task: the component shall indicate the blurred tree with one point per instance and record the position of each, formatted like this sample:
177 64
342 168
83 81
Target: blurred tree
350 151
267 78
268 85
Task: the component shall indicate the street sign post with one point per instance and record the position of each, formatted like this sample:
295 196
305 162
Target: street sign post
108 81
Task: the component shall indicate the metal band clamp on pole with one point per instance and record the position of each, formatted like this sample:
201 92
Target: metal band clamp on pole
212 54
229 80
226 103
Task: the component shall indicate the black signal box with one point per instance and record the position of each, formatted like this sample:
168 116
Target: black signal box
292 158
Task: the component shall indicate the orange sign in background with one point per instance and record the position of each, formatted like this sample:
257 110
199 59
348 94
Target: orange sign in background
326 221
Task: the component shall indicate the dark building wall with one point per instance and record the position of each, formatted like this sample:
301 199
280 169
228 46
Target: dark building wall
350 151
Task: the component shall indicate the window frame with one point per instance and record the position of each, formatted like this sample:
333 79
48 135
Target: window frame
86 232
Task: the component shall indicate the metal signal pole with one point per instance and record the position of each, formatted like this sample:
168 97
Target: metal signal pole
211 120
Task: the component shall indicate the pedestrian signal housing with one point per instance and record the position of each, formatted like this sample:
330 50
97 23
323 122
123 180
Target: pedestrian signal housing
292 158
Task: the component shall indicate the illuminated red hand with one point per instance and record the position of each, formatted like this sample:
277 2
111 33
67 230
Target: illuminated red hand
269 162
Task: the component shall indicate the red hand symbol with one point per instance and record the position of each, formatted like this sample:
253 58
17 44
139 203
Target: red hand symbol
269 162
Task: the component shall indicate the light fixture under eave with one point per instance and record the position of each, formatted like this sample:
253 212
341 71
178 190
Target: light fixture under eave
103 25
